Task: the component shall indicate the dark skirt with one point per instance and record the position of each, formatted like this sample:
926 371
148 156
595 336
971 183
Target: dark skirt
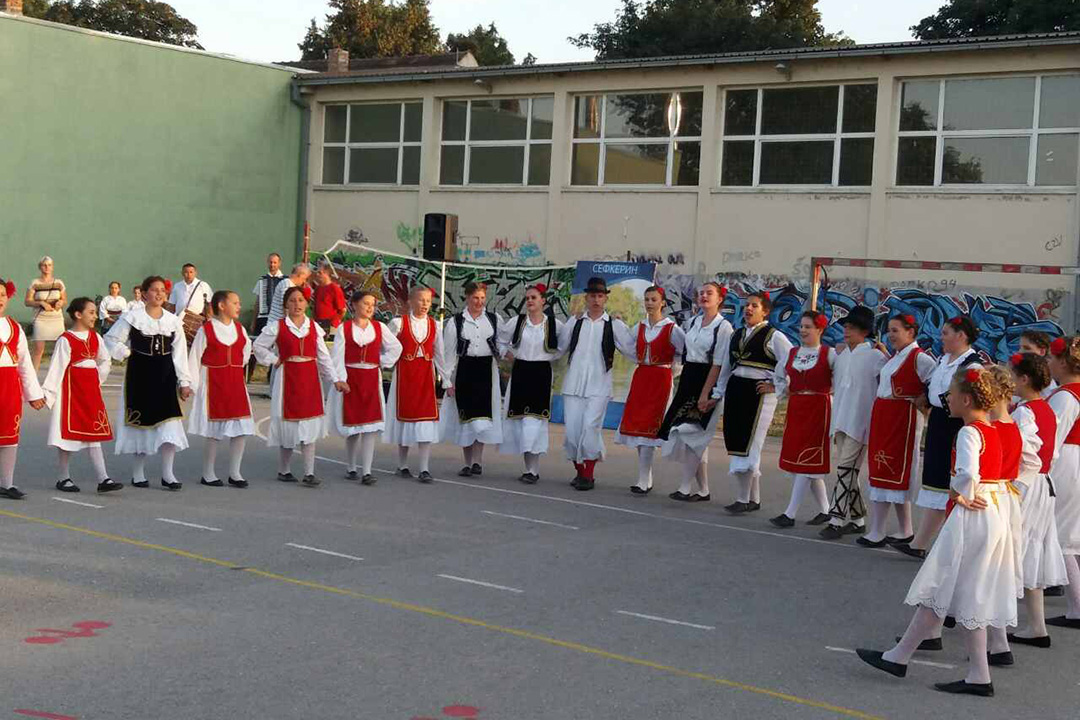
742 410
472 388
530 390
684 407
941 434
150 393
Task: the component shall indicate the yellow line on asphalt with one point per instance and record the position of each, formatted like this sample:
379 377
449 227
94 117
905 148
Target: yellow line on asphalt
432 612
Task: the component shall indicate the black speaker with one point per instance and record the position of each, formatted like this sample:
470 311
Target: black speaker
440 236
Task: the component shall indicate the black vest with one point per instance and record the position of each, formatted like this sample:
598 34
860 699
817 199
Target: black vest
551 339
753 351
970 358
463 344
607 344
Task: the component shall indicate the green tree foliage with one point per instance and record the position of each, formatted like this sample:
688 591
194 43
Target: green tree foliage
979 18
486 45
146 19
373 28
652 28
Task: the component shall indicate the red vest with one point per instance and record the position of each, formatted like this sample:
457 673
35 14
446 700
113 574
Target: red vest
661 351
12 345
1046 424
227 397
817 379
905 381
409 345
989 455
1012 447
217 354
357 354
301 392
11 398
1073 438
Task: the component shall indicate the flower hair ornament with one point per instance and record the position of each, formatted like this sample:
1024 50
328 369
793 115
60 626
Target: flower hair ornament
820 321
972 375
306 291
1057 347
765 294
9 286
1016 359
956 321
660 291
908 319
540 288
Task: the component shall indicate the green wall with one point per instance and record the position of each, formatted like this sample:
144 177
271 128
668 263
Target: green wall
122 159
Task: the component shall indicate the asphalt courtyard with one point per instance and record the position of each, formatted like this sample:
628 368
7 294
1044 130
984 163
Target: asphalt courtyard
476 598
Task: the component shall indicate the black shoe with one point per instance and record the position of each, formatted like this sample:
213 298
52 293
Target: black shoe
238 483
140 483
286 477
782 521
638 491
529 478
753 506
578 479
1039 642
352 475
108 485
172 485
678 495
873 657
311 481
737 508
67 486
853 529
1062 621
831 532
465 472
425 477
1001 659
871 543
368 479
927 645
476 469
404 472
910 551
12 493
211 483
819 519
896 541
964 688
1055 591
949 622
585 484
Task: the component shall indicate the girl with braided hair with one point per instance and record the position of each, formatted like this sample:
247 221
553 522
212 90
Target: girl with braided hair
1065 472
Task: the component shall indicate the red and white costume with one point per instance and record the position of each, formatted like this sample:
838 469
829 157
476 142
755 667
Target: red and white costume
217 361
1011 440
654 350
80 364
359 355
1065 473
896 426
18 381
1041 557
412 414
806 377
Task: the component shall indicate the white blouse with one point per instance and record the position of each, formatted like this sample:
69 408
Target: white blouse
924 368
27 377
389 351
61 358
226 335
1030 463
476 331
531 347
678 338
116 340
266 349
419 331
855 385
111 303
698 339
1067 410
586 373
805 359
965 478
943 374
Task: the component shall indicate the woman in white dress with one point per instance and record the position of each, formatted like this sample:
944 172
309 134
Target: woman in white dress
152 340
970 573
18 384
47 295
112 306
222 409
1065 472
531 344
363 347
79 421
295 348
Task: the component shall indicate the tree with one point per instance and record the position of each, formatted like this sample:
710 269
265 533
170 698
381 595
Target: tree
979 18
486 45
373 28
684 27
146 19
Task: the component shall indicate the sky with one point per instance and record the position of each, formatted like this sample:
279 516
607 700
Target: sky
269 30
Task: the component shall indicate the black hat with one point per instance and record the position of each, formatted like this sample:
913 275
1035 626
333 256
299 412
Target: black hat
596 285
861 317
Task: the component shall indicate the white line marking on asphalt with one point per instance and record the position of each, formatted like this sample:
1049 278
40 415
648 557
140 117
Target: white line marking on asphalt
669 621
532 520
944 666
76 502
480 583
324 552
190 525
259 434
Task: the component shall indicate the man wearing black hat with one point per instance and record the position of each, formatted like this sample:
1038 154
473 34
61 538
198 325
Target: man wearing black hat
855 382
590 341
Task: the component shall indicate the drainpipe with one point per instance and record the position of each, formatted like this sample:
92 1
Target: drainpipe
305 151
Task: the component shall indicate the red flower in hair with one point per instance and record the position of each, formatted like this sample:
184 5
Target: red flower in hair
540 288
723 293
908 319
1058 346
9 286
820 321
956 321
972 375
306 290
660 291
1016 359
765 294
168 285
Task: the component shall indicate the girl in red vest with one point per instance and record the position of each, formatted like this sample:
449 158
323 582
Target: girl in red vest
806 375
658 341
1065 472
18 382
1043 564
294 347
364 346
970 573
222 410
80 364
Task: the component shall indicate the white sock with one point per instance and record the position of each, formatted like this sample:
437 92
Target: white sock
352 451
799 485
7 465
308 452
1072 590
64 471
903 517
817 487
138 468
168 455
690 464
532 463
924 624
743 483
424 449
97 459
755 489
879 515
284 460
978 663
403 457
702 475
478 453
644 464
1036 614
367 452
209 456
996 640
236 456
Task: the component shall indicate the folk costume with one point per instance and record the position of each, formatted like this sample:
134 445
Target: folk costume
412 413
472 418
941 431
221 410
1065 476
79 421
157 367
527 404
359 354
110 309
296 404
1041 556
18 384
686 430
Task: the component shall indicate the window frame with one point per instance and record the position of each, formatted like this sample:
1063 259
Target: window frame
940 134
603 141
401 143
469 144
758 138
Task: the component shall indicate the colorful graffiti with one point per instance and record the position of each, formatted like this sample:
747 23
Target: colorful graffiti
502 251
411 236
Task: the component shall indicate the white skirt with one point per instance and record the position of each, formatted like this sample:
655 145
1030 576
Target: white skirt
524 435
932 499
1065 475
335 421
290 433
635 441
973 570
408 434
751 463
1040 552
484 430
146 441
584 422
58 441
692 439
199 422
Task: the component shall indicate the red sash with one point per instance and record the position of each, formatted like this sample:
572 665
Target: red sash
227 397
805 448
301 394
1073 437
11 398
415 398
650 388
1046 424
83 417
362 404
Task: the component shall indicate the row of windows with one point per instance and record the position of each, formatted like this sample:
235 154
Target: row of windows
1009 131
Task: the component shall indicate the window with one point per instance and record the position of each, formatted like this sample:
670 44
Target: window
1012 131
820 135
639 139
497 141
375 143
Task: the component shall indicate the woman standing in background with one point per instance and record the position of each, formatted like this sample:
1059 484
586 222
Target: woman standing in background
47 295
